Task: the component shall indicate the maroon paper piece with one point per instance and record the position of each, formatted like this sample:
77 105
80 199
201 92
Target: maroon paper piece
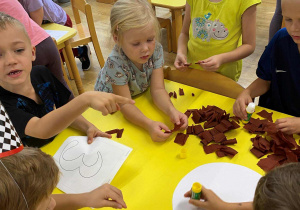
181 138
229 141
187 64
193 94
266 115
198 129
220 137
181 92
175 94
119 132
171 94
267 164
190 130
257 152
188 113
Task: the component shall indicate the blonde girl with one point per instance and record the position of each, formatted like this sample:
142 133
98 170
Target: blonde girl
135 64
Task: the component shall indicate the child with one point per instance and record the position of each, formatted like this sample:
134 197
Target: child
278 73
211 35
35 100
29 177
46 11
278 190
46 50
136 64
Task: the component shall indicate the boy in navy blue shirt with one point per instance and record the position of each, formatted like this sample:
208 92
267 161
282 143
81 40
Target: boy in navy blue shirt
278 83
36 101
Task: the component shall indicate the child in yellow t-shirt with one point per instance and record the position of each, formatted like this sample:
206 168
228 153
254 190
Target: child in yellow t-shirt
211 35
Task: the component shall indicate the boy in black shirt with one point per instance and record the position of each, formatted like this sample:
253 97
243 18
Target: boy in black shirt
35 100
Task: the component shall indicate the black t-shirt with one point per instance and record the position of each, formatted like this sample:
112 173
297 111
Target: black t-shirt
21 109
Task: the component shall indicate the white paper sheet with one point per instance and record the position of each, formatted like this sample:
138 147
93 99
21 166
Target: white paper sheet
231 182
56 34
84 167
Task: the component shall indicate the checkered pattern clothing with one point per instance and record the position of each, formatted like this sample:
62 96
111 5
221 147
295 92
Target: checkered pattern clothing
10 142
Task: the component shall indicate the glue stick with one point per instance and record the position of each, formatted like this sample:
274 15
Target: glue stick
196 191
250 110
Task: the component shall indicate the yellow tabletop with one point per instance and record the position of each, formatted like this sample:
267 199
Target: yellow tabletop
152 171
54 26
171 4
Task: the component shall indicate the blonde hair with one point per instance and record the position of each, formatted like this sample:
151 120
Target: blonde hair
35 173
7 20
131 14
279 189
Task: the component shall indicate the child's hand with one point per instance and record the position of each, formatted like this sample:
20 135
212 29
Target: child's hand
107 102
211 200
212 63
156 133
289 125
93 132
240 104
179 118
105 196
179 62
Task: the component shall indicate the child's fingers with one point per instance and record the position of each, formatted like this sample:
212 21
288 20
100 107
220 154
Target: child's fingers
198 203
188 194
112 203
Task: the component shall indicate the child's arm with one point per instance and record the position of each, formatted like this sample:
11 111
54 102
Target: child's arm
248 43
290 125
162 100
134 115
57 120
213 202
85 126
257 88
104 196
183 39
37 16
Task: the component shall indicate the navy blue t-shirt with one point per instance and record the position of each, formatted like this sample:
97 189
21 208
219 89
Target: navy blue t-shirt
280 64
21 109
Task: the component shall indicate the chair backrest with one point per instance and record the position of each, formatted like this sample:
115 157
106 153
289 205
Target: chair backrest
85 8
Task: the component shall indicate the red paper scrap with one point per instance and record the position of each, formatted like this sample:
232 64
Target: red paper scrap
257 152
198 129
220 137
266 115
181 92
187 64
229 141
119 132
175 94
171 94
181 138
193 94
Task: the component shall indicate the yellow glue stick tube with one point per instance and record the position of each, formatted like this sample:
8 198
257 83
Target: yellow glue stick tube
196 191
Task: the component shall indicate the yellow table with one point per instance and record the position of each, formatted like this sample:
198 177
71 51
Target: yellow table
176 7
64 43
152 171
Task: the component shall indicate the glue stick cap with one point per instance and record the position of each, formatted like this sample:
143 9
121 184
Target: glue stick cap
251 107
197 187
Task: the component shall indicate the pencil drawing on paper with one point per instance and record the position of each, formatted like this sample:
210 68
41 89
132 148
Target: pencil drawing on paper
71 160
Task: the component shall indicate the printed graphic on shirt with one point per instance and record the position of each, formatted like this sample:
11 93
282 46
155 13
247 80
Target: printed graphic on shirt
205 29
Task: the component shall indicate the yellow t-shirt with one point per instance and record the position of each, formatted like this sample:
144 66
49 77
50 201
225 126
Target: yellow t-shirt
216 28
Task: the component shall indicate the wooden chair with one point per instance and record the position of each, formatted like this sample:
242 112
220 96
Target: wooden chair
62 65
85 35
205 80
165 23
